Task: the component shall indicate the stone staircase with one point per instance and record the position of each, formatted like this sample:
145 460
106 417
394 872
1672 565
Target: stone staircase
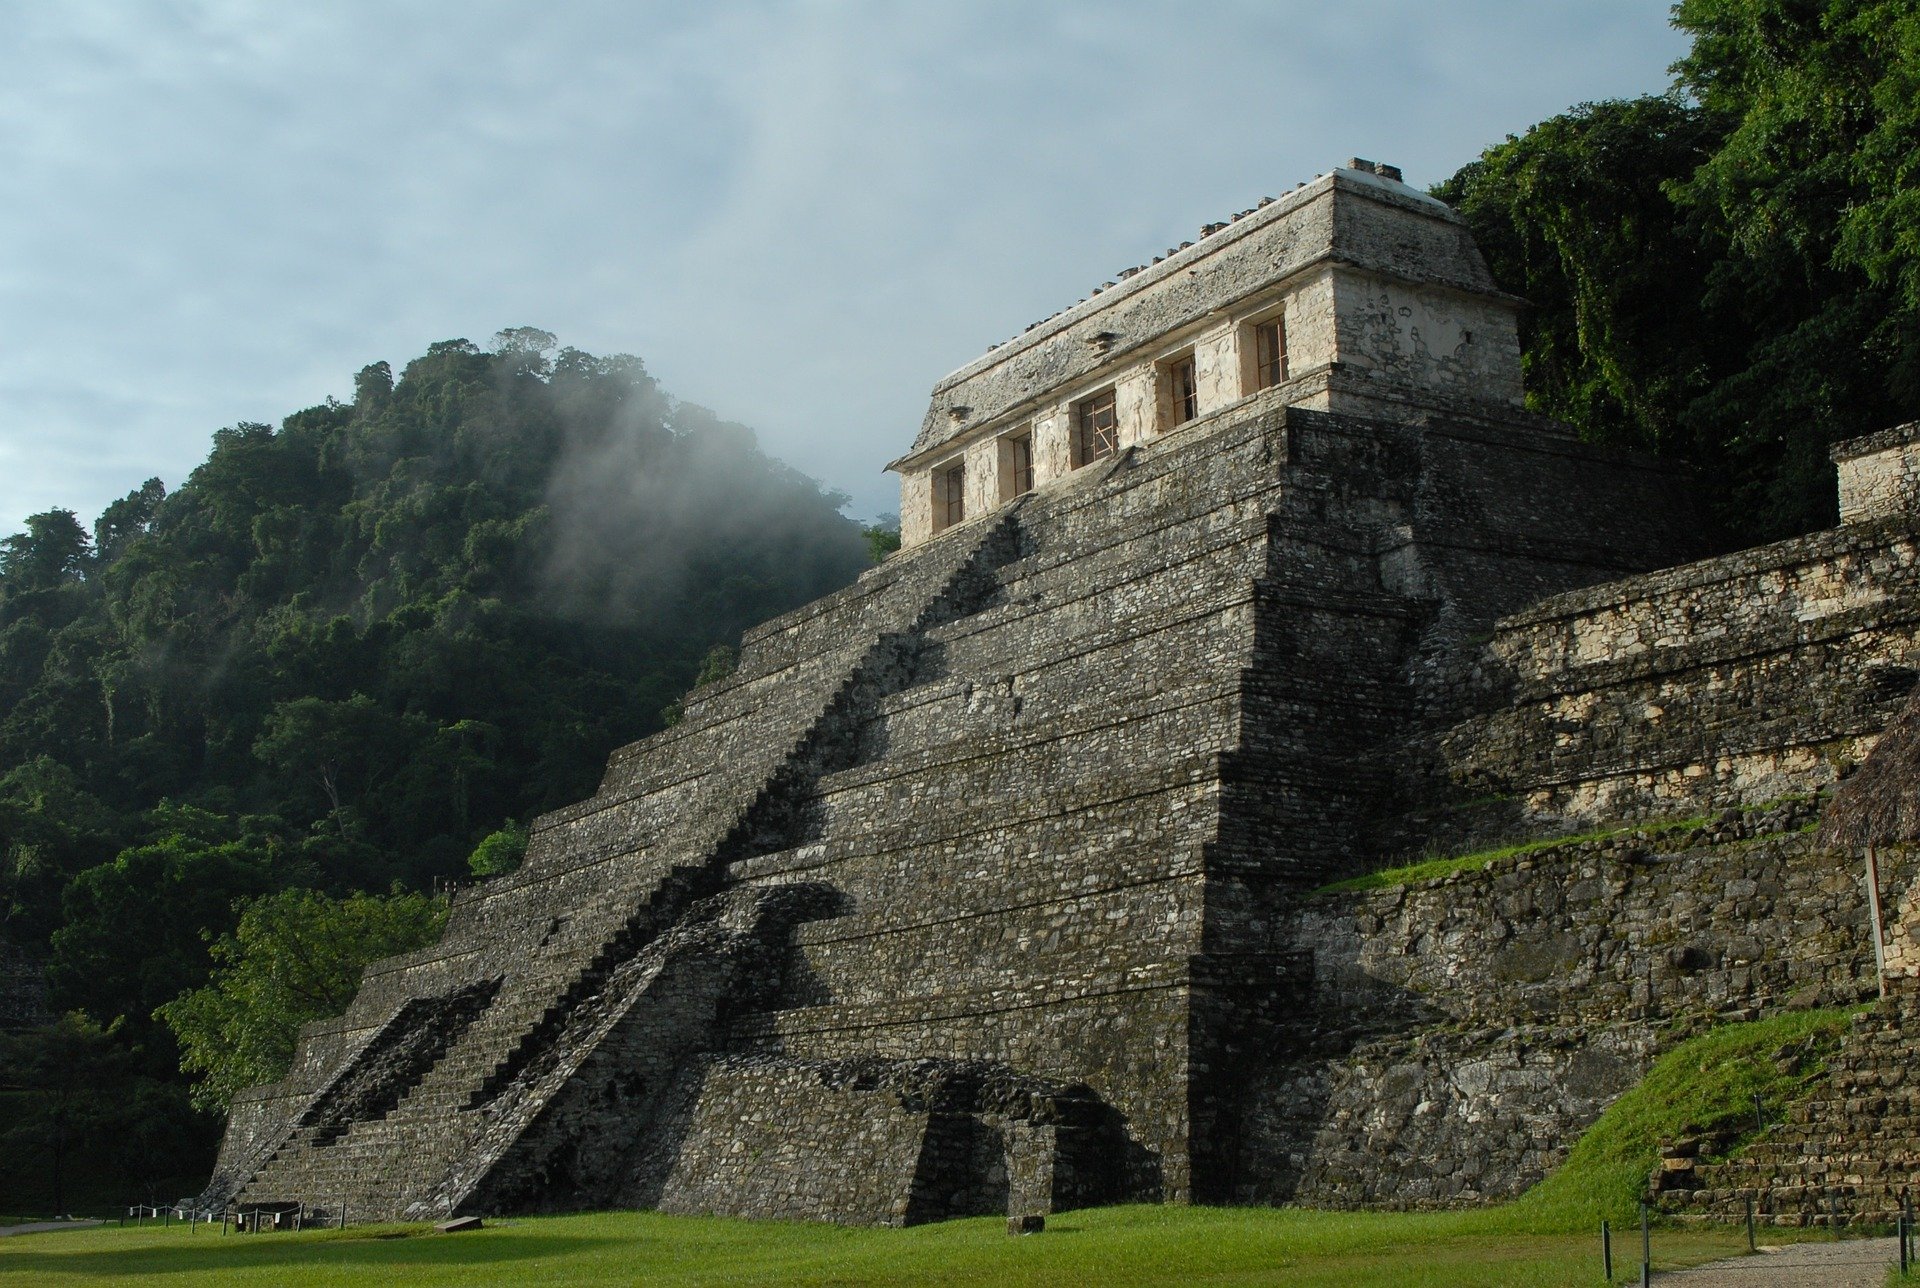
1845 1156
383 1135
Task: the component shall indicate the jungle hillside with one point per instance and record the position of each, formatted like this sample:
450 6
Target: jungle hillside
257 722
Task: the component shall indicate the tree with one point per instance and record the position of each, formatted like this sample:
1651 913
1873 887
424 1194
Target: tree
135 929
347 749
53 551
62 1079
294 957
883 537
126 519
500 853
1726 275
51 828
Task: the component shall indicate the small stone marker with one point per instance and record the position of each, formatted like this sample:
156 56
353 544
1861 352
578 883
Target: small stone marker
458 1224
1026 1224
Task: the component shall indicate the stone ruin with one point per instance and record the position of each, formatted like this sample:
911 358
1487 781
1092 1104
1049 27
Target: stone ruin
994 883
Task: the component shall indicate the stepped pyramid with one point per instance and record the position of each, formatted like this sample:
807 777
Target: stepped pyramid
962 893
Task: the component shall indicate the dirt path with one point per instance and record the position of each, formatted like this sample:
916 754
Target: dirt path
1851 1263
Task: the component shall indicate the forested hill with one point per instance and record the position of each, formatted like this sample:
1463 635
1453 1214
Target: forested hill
347 649
1728 274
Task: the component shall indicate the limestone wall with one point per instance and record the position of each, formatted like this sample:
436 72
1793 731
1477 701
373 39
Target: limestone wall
1880 475
1743 678
1459 1034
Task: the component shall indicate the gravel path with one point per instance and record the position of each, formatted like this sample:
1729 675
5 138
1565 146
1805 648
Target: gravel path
1851 1263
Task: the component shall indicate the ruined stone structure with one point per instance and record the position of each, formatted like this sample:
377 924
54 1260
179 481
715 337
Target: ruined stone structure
993 883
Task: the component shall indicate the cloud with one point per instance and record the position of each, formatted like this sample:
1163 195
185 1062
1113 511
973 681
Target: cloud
800 214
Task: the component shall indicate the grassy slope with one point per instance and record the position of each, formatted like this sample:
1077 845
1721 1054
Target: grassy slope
1706 1084
1546 1237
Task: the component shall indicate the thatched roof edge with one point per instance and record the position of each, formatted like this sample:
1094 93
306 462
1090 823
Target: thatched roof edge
1880 803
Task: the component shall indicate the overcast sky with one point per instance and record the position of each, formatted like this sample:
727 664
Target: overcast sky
798 214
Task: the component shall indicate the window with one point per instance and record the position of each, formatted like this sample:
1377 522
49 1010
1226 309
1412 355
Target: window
1096 429
1016 465
949 496
1269 353
1183 391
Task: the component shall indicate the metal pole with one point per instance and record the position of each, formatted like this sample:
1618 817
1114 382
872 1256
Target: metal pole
1606 1250
1750 1247
1646 1249
1873 907
1759 1116
1833 1215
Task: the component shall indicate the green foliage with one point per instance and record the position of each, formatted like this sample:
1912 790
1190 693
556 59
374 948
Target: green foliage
883 537
51 828
81 1124
1703 1087
294 957
1435 868
720 662
500 852
1728 274
134 930
350 647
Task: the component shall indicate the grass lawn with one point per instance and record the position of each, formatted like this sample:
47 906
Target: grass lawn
1128 1245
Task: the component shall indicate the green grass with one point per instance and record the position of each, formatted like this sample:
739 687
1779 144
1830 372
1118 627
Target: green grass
1108 1246
1703 1087
1546 1237
1432 869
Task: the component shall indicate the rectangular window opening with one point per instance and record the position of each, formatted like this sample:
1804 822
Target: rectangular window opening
1017 465
1183 391
949 496
1269 353
1096 429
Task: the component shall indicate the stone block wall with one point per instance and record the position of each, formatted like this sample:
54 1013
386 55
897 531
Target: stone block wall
1429 337
1454 1037
1880 475
1743 678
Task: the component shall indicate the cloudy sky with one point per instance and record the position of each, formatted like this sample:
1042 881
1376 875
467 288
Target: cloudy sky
799 214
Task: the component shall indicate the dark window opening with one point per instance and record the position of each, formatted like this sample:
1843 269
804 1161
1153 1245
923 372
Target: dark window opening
1096 429
953 495
1270 353
1020 464
1184 386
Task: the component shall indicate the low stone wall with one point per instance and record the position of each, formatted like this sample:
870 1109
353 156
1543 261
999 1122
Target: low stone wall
1743 678
877 1142
1464 1031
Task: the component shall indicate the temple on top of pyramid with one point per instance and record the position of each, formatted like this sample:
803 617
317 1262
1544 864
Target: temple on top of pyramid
1354 293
